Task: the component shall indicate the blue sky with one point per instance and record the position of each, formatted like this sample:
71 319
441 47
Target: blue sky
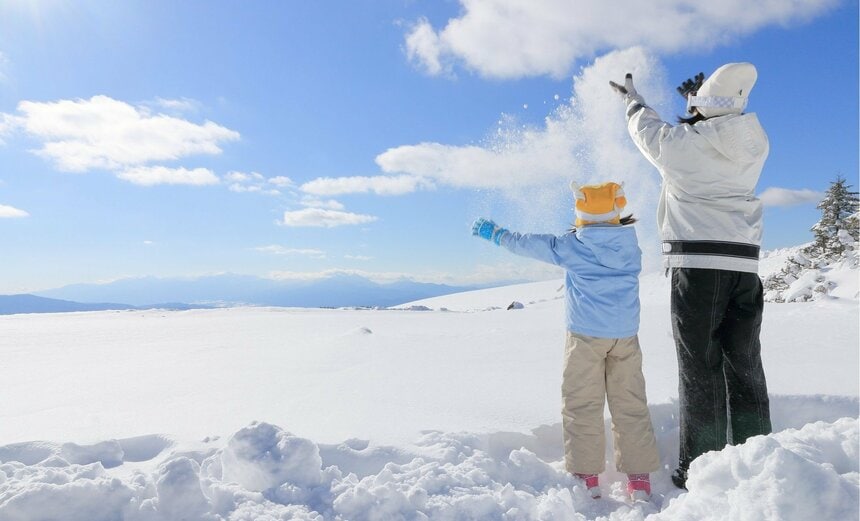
295 139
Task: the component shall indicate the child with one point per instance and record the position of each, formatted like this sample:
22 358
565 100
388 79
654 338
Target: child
602 357
711 224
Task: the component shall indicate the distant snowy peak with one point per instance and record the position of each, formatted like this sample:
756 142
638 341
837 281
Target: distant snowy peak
25 303
337 290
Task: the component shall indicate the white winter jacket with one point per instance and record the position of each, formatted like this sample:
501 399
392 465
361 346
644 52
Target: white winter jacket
708 214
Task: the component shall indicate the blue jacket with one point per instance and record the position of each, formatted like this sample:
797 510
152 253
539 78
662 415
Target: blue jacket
602 281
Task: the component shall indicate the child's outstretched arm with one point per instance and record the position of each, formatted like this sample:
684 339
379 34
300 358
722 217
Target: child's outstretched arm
487 229
542 247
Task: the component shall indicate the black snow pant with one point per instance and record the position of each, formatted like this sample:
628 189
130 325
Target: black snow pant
716 321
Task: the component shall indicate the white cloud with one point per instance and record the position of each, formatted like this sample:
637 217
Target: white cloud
239 188
241 177
8 124
482 166
179 105
310 275
423 46
251 182
276 249
281 181
320 217
785 197
482 274
380 185
10 212
358 257
513 38
506 271
104 133
376 276
315 202
584 139
162 175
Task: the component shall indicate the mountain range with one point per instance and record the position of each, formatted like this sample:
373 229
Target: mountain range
25 303
339 290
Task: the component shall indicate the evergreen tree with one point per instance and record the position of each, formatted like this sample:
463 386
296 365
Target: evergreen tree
838 227
836 240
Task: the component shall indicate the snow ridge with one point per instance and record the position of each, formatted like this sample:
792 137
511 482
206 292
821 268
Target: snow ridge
266 473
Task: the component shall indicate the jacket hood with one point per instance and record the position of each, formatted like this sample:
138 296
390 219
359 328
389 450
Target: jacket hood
740 137
614 246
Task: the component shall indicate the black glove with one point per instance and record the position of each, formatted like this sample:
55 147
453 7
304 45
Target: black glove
691 85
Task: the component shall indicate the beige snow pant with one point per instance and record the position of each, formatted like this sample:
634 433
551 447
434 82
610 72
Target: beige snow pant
595 368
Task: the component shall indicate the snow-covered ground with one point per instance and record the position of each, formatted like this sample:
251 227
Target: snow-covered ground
812 276
447 413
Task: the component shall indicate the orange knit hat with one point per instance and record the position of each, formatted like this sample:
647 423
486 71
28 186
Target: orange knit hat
598 203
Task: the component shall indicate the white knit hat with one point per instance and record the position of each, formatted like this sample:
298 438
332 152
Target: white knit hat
726 91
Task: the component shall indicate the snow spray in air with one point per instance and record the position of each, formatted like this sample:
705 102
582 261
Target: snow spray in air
583 139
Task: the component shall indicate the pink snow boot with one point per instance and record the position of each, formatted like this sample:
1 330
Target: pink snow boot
591 484
639 486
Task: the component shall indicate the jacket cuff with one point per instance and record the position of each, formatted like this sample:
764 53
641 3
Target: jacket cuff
634 103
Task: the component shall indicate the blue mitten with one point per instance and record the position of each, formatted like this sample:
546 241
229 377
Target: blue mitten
486 229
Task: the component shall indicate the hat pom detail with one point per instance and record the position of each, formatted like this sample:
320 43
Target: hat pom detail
577 191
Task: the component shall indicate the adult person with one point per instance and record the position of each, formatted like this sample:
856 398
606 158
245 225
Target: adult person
710 222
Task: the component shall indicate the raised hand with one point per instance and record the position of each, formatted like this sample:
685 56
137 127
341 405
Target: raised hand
627 89
487 229
691 85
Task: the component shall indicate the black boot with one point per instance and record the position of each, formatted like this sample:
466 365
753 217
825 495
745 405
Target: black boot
679 478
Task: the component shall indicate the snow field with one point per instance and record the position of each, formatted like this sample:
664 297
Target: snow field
348 396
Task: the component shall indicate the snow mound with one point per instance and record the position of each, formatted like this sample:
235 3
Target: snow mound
772 261
266 473
799 275
262 456
109 454
413 307
811 473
